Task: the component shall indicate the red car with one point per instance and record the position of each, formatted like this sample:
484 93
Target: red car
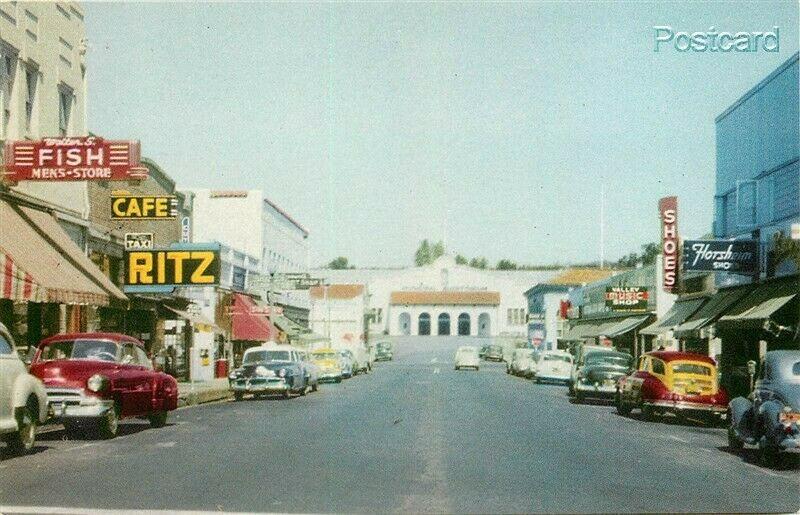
95 379
681 383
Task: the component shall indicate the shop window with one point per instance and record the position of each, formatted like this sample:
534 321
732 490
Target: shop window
31 80
8 66
65 98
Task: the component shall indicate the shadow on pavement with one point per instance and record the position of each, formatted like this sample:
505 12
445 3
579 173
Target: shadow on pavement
6 454
125 428
753 457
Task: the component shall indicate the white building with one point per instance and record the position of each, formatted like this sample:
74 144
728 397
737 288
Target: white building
43 93
337 312
443 298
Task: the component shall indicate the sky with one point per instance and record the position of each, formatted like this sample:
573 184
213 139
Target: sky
495 127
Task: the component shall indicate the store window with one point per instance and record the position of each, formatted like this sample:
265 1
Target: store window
8 66
65 99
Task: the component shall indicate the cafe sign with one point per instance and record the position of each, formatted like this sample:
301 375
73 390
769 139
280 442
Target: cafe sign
180 264
737 256
73 159
627 298
144 207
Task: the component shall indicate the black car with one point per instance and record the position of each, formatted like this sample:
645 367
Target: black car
383 351
494 353
267 371
598 372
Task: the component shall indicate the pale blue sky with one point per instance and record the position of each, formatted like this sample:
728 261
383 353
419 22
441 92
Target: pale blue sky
377 125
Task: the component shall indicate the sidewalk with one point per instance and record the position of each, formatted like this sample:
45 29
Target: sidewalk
202 392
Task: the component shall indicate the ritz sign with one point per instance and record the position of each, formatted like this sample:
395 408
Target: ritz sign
161 270
73 159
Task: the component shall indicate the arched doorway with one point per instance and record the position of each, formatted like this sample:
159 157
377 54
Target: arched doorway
444 324
484 325
404 323
424 324
463 324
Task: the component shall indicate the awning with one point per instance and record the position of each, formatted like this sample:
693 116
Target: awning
711 310
766 300
680 311
309 339
198 320
579 331
40 263
288 326
249 321
618 327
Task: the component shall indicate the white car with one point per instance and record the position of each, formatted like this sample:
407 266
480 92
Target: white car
520 364
553 366
23 399
467 357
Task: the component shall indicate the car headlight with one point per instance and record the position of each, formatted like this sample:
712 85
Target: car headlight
261 370
97 383
233 375
282 372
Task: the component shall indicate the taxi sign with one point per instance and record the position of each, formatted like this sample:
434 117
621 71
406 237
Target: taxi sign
143 207
181 264
138 240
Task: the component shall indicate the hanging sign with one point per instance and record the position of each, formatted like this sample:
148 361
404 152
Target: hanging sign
73 159
627 298
138 240
739 256
143 207
186 229
161 270
668 210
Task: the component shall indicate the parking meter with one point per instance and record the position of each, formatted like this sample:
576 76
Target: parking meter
751 370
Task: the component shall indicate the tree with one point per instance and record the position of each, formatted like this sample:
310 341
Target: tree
505 264
427 253
461 260
481 263
650 252
340 263
437 251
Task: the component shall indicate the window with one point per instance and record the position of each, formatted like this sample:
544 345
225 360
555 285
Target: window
129 354
142 358
5 345
510 317
31 78
65 97
746 202
8 66
658 367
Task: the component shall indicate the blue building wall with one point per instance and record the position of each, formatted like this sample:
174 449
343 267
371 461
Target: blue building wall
758 172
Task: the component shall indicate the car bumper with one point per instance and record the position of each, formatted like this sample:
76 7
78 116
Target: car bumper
601 390
687 407
259 386
330 376
790 445
550 378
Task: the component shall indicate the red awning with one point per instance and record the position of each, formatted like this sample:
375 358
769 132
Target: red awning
248 320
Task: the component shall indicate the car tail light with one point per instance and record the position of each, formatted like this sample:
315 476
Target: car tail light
787 418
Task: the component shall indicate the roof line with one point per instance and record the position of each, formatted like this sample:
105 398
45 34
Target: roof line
286 215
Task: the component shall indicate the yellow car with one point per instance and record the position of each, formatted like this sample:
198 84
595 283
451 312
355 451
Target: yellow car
329 362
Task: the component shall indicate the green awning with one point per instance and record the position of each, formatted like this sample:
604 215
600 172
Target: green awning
308 339
288 326
718 304
766 300
579 331
618 327
680 311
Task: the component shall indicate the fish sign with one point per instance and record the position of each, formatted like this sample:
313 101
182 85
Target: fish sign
161 270
151 207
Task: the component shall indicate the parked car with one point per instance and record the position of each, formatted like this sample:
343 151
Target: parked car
383 351
770 416
310 368
483 351
23 399
361 362
329 362
96 379
494 353
579 358
552 366
467 357
681 383
347 363
520 364
269 369
599 372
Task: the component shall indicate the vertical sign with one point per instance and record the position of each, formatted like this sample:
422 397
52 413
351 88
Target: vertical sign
186 230
668 210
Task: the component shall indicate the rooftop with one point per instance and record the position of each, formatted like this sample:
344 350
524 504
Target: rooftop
450 298
337 291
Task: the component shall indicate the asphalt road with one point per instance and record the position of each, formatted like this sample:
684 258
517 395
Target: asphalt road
414 435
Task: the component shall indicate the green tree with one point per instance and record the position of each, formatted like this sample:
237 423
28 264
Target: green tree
423 254
340 263
650 252
437 251
505 264
481 263
461 260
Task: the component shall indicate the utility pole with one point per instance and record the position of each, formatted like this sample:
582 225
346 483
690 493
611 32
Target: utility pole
602 225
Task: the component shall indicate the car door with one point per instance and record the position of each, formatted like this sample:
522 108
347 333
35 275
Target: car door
10 368
632 389
133 386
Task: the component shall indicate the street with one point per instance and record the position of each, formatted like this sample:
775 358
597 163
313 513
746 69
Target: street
412 436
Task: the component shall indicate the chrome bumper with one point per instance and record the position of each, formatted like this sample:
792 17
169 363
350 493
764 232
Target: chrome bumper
553 379
690 406
327 376
602 389
259 385
75 403
790 444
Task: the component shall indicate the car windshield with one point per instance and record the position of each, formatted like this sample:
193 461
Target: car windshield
557 357
267 355
98 350
691 368
325 355
467 352
495 348
609 359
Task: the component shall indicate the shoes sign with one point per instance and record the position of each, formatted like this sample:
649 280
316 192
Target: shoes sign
668 211
163 269
735 256
73 159
143 207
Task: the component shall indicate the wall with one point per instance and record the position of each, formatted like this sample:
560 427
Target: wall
285 242
48 39
340 317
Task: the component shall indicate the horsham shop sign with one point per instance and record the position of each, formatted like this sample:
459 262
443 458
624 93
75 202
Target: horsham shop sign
739 256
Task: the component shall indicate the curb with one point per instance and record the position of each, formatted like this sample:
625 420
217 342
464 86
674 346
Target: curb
203 397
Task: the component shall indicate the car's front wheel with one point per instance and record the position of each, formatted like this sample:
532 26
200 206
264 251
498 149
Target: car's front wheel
238 396
733 441
622 408
24 438
108 425
315 386
158 419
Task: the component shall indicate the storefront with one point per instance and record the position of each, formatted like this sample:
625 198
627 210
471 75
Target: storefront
249 323
47 284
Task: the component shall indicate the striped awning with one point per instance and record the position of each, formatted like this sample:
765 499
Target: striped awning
17 284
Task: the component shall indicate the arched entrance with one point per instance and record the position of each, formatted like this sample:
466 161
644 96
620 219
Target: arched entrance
404 323
444 324
484 325
424 324
463 324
